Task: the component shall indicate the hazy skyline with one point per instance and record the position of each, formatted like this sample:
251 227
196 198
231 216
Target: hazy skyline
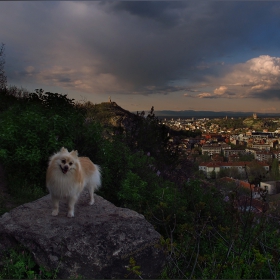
173 55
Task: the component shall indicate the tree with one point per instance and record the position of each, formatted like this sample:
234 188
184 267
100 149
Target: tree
275 169
235 173
3 78
255 173
213 174
246 157
224 173
205 157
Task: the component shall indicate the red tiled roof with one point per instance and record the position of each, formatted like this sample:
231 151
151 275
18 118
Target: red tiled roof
211 164
241 183
246 201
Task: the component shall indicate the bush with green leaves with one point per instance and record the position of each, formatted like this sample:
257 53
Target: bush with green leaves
29 134
18 263
148 135
216 240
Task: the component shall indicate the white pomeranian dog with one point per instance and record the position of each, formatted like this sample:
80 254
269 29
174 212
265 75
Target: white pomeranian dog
68 175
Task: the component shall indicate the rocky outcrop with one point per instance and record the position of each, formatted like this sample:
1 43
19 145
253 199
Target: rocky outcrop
97 243
109 114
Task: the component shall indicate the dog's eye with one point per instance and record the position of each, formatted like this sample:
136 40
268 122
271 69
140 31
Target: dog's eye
70 163
63 161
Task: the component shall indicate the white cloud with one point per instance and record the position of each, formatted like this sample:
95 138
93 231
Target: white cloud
205 95
221 90
265 65
258 77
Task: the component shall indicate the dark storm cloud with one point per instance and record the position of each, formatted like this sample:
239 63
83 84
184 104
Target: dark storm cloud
136 47
167 13
269 94
152 54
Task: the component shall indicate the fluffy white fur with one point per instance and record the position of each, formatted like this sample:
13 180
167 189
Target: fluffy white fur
68 175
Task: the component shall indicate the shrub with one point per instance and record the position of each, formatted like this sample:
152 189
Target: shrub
29 134
18 263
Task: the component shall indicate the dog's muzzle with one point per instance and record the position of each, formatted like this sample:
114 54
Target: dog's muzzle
64 169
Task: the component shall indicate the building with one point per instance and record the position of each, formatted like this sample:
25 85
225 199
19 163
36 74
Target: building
229 152
208 167
263 156
247 204
273 187
251 151
265 147
234 157
211 149
276 154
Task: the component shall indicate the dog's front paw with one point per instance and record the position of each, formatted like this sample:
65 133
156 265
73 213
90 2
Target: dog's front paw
91 202
70 214
54 212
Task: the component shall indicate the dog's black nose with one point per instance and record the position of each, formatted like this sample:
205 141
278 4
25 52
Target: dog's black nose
64 169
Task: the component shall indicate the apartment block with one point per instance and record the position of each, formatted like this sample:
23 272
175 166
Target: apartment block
228 153
265 147
211 149
208 167
276 154
263 156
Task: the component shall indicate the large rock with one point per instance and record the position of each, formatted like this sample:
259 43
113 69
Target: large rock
97 243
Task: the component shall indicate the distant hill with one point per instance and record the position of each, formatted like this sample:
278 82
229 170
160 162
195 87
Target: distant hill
110 114
210 114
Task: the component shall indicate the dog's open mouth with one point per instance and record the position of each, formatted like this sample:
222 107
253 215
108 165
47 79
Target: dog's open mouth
64 170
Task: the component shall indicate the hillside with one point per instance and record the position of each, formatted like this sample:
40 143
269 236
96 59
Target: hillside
110 114
203 233
261 123
254 124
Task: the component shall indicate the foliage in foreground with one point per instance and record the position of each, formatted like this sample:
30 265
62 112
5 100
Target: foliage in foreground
19 264
30 131
203 235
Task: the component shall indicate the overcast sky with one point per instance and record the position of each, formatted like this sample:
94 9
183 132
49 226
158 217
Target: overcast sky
173 55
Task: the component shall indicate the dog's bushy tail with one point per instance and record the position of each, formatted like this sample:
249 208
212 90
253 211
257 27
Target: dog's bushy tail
97 178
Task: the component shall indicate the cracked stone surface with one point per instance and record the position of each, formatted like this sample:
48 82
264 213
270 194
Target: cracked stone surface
97 243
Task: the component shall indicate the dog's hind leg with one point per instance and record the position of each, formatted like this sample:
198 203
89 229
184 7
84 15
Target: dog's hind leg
90 188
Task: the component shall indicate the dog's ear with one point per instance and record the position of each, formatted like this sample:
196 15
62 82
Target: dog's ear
63 149
74 153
